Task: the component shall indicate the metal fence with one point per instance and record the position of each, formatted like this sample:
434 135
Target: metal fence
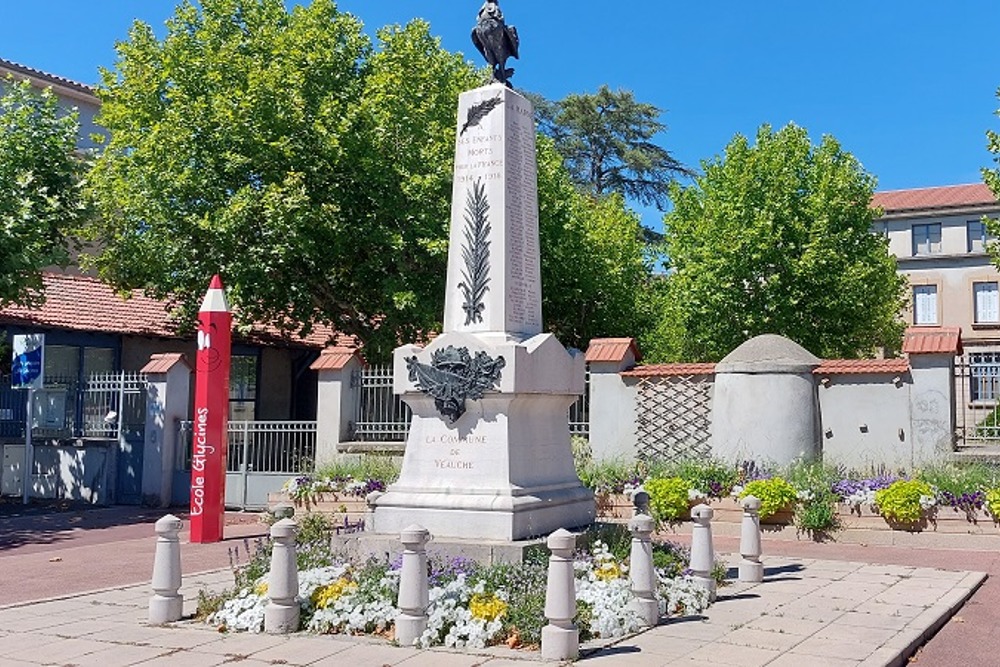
379 415
286 447
977 392
382 416
106 406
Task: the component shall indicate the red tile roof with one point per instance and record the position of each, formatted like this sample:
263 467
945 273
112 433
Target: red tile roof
933 340
862 366
950 196
612 349
162 363
828 367
334 358
669 370
83 303
46 77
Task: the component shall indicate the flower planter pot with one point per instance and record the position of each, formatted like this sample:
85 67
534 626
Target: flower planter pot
783 517
614 506
351 507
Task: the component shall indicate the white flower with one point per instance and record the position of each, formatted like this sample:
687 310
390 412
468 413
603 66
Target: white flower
681 596
695 494
737 490
927 502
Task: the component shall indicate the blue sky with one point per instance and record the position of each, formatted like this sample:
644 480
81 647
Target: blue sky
907 86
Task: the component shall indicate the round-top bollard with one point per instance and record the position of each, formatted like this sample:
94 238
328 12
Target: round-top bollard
281 615
751 569
167 604
641 572
640 503
413 594
560 638
702 550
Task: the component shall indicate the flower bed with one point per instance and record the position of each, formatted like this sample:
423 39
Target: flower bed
470 605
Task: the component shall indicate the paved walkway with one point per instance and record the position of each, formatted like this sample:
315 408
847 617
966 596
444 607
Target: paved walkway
807 612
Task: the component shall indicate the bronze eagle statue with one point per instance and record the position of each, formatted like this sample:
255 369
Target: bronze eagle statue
496 40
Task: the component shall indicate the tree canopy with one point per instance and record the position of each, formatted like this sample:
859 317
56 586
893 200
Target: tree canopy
992 179
40 196
776 237
595 267
607 142
308 165
284 151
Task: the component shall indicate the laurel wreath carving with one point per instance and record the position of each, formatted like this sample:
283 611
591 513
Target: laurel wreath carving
478 112
476 253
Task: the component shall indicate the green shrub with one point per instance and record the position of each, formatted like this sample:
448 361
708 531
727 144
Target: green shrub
668 498
712 477
902 501
817 514
775 494
605 477
961 478
993 503
381 468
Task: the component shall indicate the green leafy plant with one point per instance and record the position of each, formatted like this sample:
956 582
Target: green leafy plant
712 477
608 477
993 503
905 501
668 498
817 514
775 494
210 602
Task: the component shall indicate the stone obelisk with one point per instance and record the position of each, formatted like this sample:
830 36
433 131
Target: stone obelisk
488 455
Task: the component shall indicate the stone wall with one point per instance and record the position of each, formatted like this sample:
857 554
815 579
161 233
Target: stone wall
893 412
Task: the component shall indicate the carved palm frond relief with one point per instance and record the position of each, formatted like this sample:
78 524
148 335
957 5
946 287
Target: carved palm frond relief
475 253
478 112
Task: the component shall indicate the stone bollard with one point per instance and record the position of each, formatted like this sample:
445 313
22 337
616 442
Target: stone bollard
167 604
641 572
640 503
413 595
702 551
281 615
282 511
751 569
560 638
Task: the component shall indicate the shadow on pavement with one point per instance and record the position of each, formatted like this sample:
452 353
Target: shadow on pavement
49 522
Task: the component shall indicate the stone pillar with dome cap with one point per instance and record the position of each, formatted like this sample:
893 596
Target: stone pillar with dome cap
765 406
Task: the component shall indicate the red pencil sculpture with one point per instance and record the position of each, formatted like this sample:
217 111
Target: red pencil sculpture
211 416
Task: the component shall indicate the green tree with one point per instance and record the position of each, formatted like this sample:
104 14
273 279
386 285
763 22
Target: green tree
284 151
595 268
776 238
607 142
313 170
40 195
992 178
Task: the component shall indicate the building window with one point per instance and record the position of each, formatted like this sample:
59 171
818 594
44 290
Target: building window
987 302
984 376
977 235
925 304
243 388
927 239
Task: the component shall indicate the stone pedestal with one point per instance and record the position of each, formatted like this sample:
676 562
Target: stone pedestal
488 454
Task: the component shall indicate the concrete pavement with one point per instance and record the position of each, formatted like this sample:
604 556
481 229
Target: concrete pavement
822 604
807 611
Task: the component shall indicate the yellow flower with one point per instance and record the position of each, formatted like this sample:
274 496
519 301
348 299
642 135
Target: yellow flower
487 607
607 571
323 596
260 589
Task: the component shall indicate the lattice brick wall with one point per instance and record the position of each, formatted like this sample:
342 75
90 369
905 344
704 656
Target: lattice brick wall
674 417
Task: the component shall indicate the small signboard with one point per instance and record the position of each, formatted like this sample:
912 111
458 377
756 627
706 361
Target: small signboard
28 363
